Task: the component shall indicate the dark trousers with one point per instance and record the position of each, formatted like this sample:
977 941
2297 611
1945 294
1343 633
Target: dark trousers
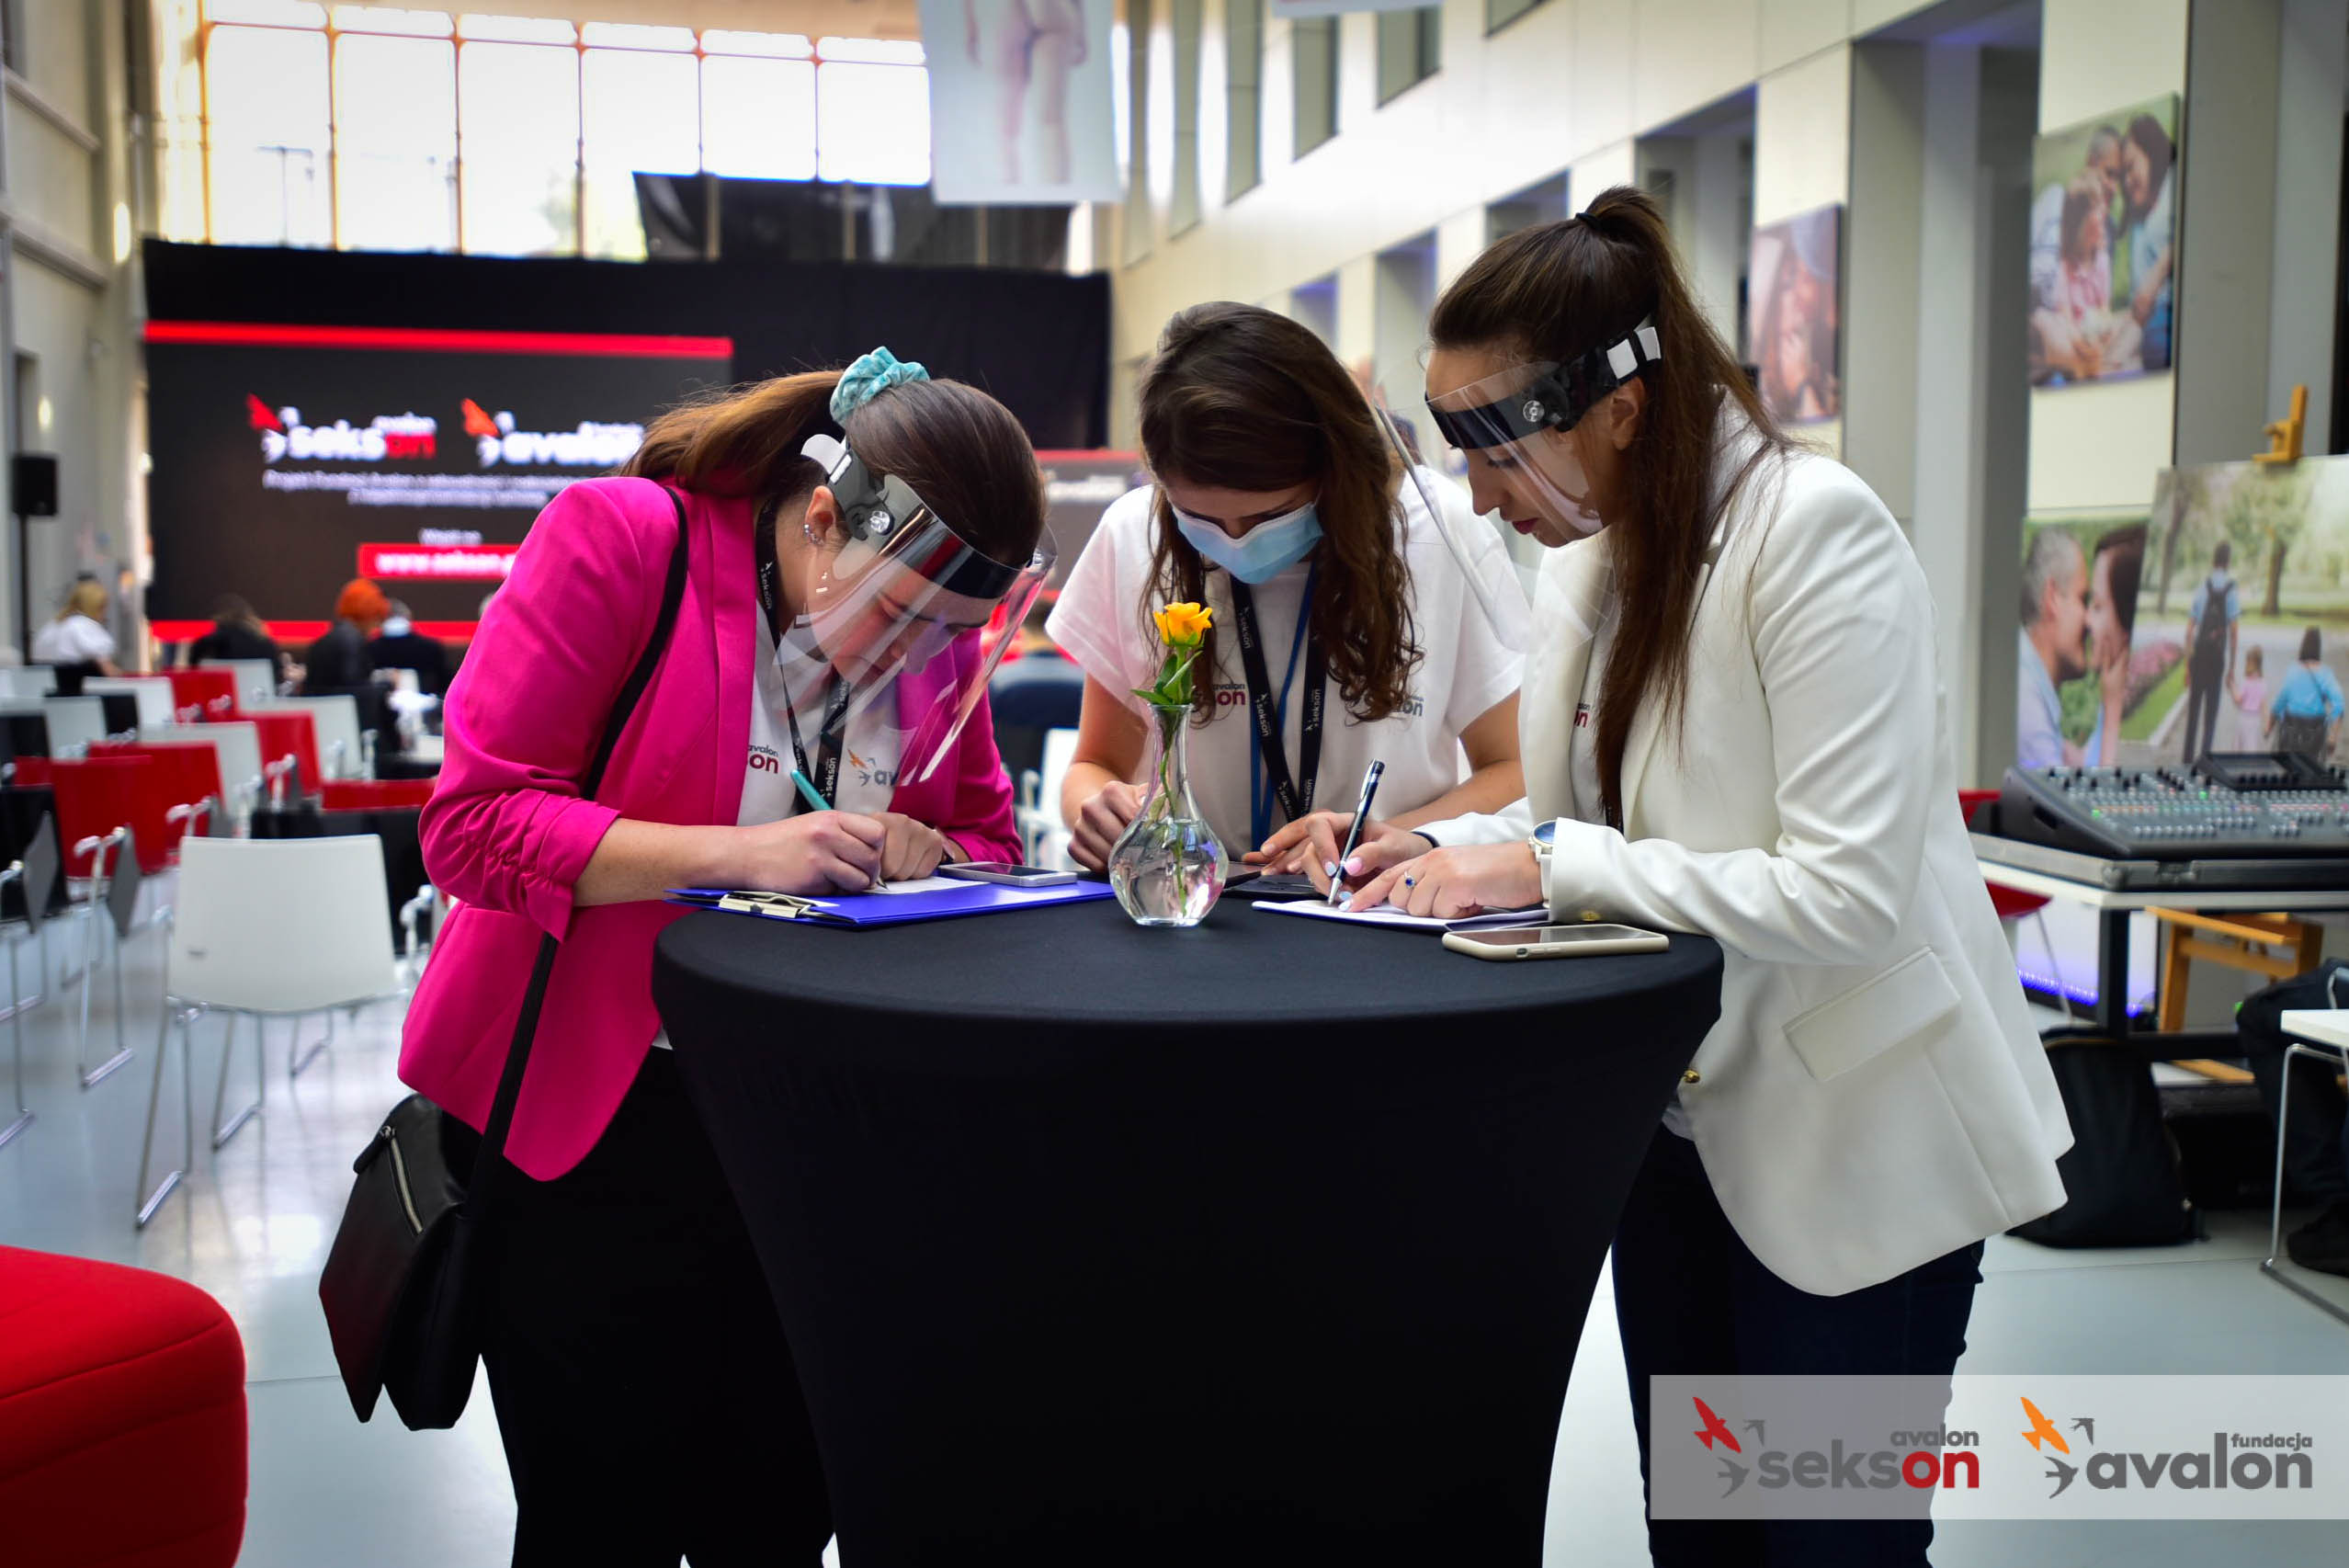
645 1394
2206 689
1691 1300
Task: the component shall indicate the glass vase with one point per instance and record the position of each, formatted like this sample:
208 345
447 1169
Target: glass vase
1167 866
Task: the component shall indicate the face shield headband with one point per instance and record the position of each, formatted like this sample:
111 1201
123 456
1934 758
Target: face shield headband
884 514
1556 399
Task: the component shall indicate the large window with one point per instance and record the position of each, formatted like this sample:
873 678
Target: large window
1499 13
375 129
1244 68
1411 48
1313 51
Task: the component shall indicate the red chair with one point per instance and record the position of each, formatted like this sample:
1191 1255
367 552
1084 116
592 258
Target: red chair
2011 904
212 693
377 794
177 781
99 797
288 734
123 1424
31 771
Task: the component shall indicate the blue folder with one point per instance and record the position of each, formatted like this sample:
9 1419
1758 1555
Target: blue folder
862 909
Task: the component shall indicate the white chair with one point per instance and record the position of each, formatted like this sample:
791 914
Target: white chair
156 705
28 680
2294 1050
75 723
1044 835
335 721
238 747
268 929
256 679
36 880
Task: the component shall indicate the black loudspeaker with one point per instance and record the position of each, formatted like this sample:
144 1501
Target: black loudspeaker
32 485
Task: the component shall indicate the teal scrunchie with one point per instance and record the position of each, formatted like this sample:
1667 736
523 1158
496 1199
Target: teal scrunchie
868 378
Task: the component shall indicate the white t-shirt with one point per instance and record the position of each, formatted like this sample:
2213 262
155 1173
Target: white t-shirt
76 640
868 760
1465 668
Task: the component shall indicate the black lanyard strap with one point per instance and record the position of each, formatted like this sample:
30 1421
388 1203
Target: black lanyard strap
825 774
1295 795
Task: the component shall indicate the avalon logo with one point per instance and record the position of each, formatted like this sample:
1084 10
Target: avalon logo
498 438
2267 1460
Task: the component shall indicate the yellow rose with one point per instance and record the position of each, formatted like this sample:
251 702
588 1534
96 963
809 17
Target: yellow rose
1183 625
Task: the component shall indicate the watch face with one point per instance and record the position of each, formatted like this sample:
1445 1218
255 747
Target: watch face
1546 833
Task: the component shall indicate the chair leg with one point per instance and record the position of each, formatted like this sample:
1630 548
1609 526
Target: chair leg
24 1116
223 1131
2276 1209
92 1076
172 1178
296 1058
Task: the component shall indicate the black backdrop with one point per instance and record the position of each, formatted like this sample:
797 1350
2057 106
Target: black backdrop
1039 341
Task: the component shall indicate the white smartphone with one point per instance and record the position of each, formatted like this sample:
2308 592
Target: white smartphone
1507 943
1003 872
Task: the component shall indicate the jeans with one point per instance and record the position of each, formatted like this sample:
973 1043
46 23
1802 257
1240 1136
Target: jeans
1690 1299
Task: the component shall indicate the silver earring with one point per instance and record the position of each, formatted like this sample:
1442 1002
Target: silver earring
807 530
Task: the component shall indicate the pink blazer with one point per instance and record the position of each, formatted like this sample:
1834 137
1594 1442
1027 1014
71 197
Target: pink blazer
507 833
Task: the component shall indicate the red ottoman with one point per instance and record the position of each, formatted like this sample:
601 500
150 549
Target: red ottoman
121 1418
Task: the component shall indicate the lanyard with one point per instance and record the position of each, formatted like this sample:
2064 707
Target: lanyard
825 776
1269 758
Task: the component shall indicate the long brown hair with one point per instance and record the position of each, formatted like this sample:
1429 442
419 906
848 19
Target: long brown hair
962 451
1241 398
1556 291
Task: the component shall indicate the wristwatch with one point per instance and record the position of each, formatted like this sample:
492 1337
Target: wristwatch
1543 841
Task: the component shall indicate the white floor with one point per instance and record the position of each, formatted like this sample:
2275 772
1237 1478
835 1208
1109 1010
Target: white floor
254 1223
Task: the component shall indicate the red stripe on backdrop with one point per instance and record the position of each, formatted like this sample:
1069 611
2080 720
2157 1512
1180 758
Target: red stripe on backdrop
640 346
294 635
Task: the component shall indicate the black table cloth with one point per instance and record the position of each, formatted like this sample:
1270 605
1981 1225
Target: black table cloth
1266 1241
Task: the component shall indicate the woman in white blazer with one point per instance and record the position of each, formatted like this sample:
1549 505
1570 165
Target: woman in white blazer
1732 724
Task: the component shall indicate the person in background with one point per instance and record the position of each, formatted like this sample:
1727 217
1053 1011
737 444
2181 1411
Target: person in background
648 1400
338 661
2211 630
237 633
400 647
1281 505
2306 715
77 641
2250 695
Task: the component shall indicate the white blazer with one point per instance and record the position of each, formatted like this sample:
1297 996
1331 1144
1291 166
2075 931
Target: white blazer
1874 1093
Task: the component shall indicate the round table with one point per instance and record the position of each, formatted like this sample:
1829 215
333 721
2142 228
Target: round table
1269 1241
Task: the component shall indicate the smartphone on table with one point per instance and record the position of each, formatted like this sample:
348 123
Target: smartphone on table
1007 873
1505 944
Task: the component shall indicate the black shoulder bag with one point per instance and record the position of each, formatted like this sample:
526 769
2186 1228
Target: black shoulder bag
409 1270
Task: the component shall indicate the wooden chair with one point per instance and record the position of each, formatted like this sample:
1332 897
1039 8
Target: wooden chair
2242 942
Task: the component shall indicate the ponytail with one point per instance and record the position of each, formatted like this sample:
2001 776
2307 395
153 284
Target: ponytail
1555 293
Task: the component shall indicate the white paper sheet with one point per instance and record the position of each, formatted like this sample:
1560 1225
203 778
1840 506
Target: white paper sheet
1390 916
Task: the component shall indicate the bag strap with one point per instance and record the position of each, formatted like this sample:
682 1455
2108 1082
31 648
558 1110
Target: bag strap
525 1027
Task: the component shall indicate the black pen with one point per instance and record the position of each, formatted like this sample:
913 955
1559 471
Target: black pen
1354 835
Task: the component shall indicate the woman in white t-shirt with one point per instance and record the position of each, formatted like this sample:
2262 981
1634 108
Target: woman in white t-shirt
1281 502
78 635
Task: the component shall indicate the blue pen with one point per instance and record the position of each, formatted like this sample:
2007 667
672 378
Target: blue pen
808 792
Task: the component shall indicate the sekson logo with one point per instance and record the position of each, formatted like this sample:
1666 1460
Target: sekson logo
1914 1459
497 438
386 436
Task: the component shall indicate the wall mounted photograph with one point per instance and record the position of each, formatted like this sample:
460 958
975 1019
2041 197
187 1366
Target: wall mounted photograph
2104 241
1796 315
1020 101
2218 621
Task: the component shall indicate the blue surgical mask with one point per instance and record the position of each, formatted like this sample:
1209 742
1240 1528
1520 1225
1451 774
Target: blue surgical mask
1263 553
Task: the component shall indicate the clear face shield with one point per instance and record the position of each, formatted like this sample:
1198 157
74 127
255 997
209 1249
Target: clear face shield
1514 430
869 662
1496 586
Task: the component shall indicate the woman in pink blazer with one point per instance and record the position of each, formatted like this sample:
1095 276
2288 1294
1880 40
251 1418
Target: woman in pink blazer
646 1398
